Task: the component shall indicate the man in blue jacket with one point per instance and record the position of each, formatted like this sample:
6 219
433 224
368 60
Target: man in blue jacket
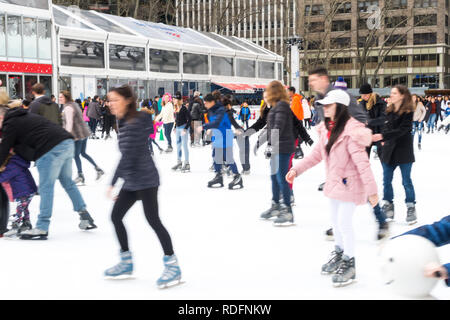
439 234
222 138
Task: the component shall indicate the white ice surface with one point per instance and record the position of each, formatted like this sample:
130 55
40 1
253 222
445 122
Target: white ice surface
224 250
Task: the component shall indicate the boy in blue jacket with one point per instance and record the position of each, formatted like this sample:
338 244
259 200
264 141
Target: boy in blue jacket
439 234
23 187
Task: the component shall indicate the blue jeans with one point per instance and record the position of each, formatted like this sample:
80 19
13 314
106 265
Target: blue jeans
182 139
56 164
80 149
167 132
224 156
417 126
279 166
388 174
431 121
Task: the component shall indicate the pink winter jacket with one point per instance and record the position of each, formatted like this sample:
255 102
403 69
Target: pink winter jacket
156 125
347 160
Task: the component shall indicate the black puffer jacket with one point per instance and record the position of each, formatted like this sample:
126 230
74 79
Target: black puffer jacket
280 118
398 141
376 116
136 167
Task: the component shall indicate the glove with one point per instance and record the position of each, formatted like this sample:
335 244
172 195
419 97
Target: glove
255 148
310 142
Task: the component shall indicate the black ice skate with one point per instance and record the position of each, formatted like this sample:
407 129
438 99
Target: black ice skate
79 180
321 186
237 181
100 172
273 212
298 153
388 208
169 149
177 166
34 234
285 218
345 273
186 168
383 231
411 214
329 236
86 221
333 264
218 179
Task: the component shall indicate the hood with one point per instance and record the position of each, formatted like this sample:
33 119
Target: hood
19 161
44 100
15 112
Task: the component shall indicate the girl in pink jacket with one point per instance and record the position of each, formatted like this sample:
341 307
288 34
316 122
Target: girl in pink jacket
349 178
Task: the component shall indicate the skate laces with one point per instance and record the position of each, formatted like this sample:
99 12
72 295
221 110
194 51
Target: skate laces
170 272
120 267
343 267
335 256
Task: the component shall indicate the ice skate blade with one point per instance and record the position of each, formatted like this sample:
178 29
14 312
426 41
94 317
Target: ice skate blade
411 222
233 188
325 273
34 238
329 238
344 284
215 187
170 284
120 277
285 224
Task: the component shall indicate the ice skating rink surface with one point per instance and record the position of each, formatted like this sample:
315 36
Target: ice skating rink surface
224 250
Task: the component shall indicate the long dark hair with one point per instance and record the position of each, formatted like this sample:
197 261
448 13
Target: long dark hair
128 94
341 117
407 103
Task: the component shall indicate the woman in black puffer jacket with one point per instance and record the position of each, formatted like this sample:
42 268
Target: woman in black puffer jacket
280 138
141 181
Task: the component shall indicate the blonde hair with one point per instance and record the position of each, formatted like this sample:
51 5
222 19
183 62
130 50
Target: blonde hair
372 100
276 92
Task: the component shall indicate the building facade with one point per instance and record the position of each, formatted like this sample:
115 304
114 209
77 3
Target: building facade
415 31
268 23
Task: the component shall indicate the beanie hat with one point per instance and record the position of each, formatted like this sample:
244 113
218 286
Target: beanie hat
340 84
365 89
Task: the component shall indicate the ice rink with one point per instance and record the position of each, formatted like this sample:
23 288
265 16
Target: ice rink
224 250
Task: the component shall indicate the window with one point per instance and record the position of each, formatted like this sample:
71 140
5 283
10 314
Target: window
398 4
425 60
371 62
395 39
15 86
45 39
395 22
315 10
316 27
342 42
446 20
426 80
245 68
425 38
164 61
367 42
364 5
400 61
77 53
2 36
222 66
29 82
425 3
345 8
47 82
126 58
14 37
266 70
341 25
425 20
341 63
29 38
195 63
390 81
313 45
362 24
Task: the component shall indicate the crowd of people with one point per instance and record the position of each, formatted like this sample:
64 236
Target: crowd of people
53 135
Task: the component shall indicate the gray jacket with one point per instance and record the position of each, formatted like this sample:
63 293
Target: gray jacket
355 109
73 121
94 110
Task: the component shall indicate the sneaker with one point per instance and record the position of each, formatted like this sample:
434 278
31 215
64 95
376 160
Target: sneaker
388 208
171 274
123 269
411 215
34 234
329 236
332 265
86 221
346 273
285 218
273 212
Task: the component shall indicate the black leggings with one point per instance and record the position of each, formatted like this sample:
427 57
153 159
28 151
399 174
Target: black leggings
149 197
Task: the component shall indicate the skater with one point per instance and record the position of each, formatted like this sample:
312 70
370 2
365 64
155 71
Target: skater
222 140
167 117
43 105
94 114
431 116
297 109
35 138
242 139
108 120
306 113
182 124
349 178
280 146
151 137
16 173
376 111
196 120
244 114
418 117
73 123
141 181
398 151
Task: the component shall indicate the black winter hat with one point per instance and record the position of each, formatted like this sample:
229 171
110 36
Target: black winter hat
365 89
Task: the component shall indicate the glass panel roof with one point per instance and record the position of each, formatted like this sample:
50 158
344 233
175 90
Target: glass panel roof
223 41
64 20
40 4
246 45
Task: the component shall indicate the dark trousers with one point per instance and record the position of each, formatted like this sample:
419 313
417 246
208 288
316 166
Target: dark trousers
80 150
149 197
244 151
224 156
168 127
279 166
388 174
108 124
93 125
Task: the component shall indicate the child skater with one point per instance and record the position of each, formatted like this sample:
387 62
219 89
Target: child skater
16 173
349 178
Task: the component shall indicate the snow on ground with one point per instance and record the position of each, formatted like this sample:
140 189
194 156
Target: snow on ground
224 250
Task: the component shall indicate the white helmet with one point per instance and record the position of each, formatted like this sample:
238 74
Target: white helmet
403 260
